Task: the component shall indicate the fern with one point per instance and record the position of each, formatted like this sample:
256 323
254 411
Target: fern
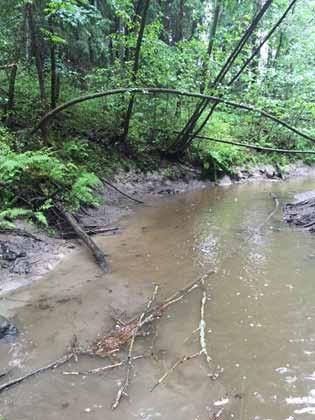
33 177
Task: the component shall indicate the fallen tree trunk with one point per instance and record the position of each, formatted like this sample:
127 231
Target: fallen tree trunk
96 251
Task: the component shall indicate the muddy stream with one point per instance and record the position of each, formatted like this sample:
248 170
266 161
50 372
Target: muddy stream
260 319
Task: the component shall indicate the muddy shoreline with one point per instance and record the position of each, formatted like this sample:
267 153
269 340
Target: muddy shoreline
169 242
36 258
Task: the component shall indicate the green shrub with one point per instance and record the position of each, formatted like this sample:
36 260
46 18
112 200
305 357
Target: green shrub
31 180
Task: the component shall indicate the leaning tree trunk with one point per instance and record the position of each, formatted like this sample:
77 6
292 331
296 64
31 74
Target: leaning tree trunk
189 137
183 137
247 62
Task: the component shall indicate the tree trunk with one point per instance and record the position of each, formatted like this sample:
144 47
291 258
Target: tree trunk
184 137
136 67
179 23
11 91
37 52
53 70
214 25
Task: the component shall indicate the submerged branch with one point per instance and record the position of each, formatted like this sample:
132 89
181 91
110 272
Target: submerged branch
123 390
53 365
173 367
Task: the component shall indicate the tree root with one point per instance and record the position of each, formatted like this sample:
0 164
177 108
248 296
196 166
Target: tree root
105 181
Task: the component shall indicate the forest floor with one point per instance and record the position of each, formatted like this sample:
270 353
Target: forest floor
26 259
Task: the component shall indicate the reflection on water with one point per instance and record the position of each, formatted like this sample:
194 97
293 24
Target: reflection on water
260 320
263 308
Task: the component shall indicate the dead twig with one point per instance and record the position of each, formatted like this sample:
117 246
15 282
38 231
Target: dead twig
3 374
191 335
270 215
88 231
107 345
73 351
217 415
102 368
53 365
203 325
172 368
20 232
123 390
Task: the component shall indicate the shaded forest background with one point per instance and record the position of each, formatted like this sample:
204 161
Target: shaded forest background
51 51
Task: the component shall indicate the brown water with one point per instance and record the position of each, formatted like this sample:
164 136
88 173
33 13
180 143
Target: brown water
260 319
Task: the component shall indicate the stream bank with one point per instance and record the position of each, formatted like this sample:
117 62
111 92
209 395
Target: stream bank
24 259
261 300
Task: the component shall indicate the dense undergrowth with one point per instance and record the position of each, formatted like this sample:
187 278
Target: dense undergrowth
83 146
65 49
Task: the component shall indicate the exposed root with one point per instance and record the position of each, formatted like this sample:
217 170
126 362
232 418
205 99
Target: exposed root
20 232
105 181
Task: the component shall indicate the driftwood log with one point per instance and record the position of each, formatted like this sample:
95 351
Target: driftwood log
95 250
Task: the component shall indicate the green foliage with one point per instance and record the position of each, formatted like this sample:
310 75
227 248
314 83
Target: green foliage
94 45
33 179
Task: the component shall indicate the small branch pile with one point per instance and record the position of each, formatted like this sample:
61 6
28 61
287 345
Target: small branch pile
202 340
106 346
